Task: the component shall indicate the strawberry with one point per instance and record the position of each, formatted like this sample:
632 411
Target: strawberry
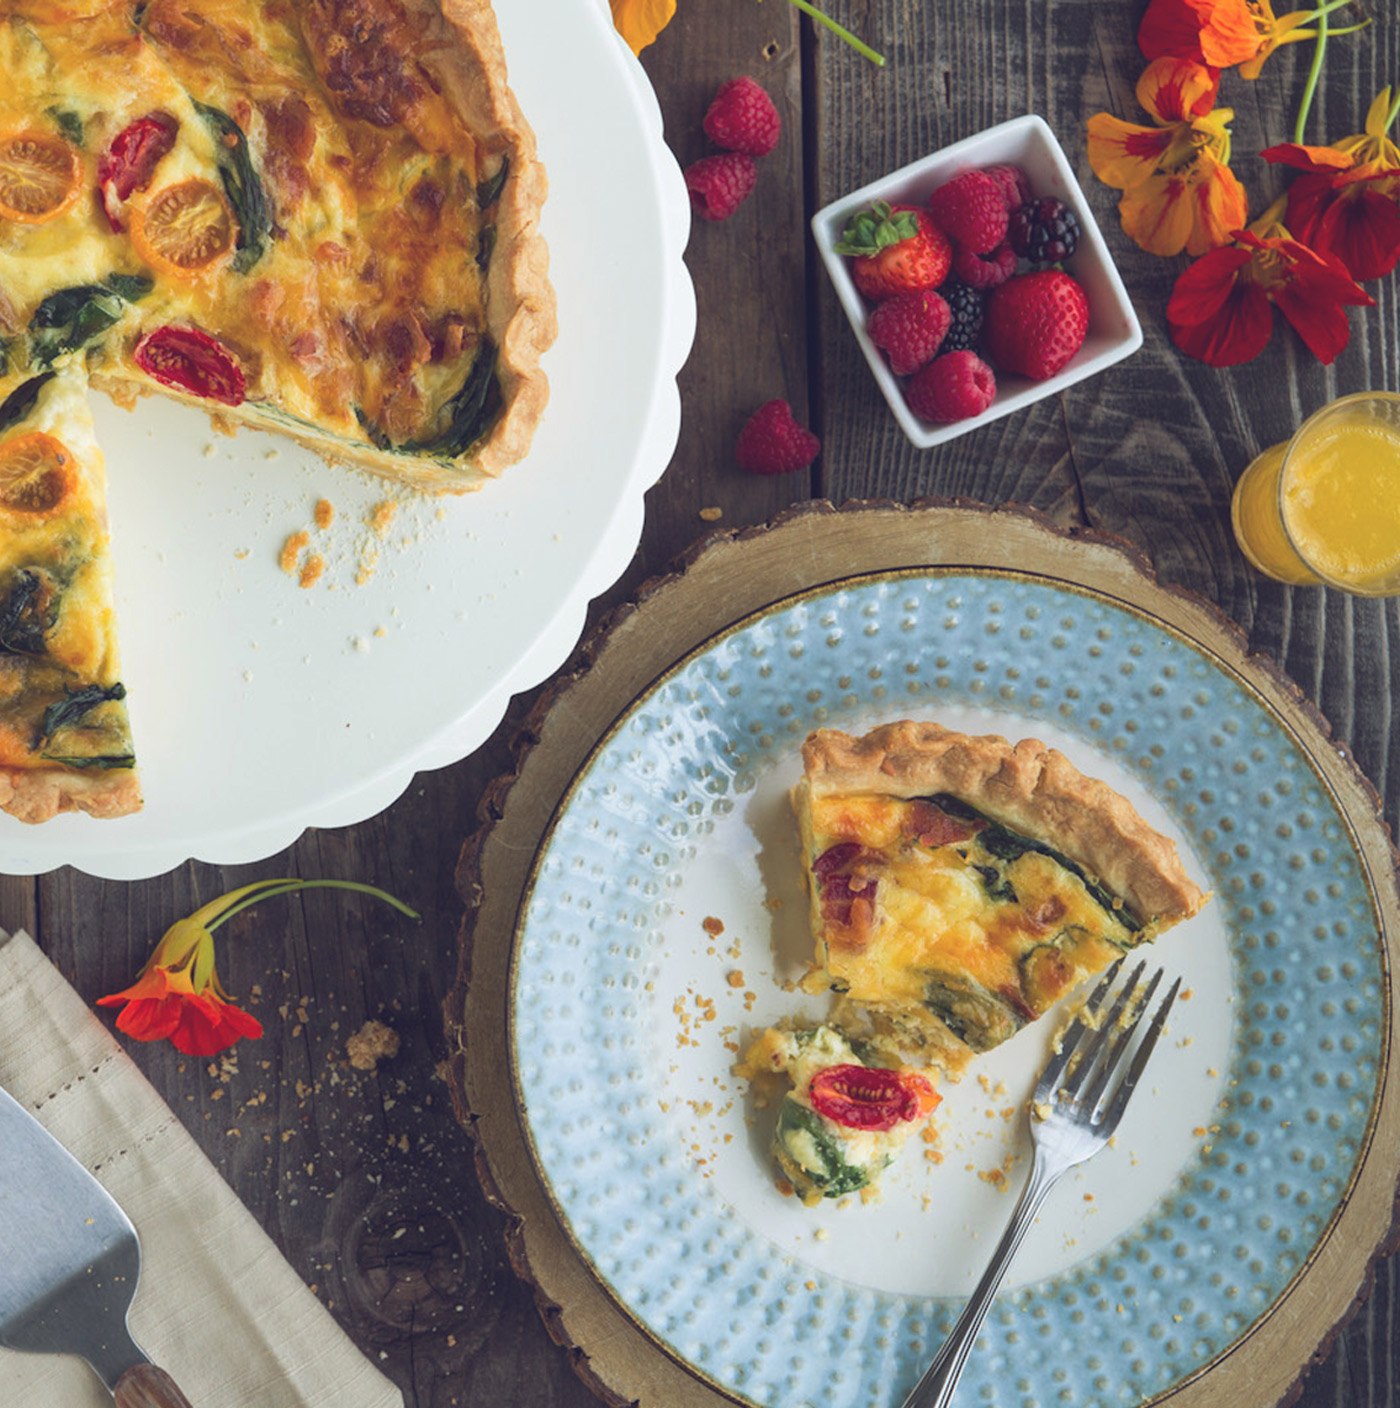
1035 323
895 249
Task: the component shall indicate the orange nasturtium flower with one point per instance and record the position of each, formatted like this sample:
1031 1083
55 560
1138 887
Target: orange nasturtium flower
1221 310
1223 33
178 994
1346 201
1178 189
640 21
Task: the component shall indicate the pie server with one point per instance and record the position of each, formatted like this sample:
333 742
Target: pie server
69 1263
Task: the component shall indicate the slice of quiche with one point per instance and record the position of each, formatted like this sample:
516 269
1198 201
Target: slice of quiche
65 744
962 885
849 1112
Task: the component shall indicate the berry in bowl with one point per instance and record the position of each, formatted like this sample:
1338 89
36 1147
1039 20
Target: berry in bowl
976 281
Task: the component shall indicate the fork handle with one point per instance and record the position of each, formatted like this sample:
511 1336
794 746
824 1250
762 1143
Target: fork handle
935 1389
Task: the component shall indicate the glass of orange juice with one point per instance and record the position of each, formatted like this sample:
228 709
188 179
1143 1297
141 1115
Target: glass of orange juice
1324 507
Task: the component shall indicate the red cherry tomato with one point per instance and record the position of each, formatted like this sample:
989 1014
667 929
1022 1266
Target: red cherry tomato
130 161
869 1097
191 360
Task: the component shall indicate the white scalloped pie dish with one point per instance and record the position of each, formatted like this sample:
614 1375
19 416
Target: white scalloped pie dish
261 709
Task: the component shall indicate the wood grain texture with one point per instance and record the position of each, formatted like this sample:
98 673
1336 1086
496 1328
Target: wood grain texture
365 1179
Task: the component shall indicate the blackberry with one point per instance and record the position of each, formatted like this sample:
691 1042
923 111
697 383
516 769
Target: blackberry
1044 230
965 303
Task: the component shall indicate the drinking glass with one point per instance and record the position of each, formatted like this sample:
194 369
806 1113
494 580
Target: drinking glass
1324 506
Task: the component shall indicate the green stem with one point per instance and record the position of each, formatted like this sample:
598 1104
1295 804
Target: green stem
1316 68
284 887
1323 11
808 8
1393 113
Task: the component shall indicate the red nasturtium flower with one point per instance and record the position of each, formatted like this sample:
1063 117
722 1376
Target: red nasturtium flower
1221 310
1223 33
1346 199
1178 190
178 994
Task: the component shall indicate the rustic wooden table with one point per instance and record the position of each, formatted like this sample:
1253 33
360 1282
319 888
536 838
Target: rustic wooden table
365 1180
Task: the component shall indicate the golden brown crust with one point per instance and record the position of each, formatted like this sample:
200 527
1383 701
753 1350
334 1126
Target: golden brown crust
1028 787
35 796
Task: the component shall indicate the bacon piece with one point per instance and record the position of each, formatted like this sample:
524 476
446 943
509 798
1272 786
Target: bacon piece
931 826
361 52
291 128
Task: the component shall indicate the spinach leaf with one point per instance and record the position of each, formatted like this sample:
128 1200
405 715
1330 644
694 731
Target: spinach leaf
997 886
1004 844
132 287
69 123
485 246
24 620
241 185
488 192
836 1177
469 412
76 705
70 319
105 762
20 401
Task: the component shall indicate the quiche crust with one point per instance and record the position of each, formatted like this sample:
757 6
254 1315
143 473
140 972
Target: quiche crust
1027 786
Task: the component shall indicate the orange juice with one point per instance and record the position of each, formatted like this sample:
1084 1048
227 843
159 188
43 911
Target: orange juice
1325 506
1341 503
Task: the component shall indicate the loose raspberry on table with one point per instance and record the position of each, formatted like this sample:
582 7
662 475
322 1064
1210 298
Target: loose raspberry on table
719 185
965 305
971 210
772 442
1014 183
909 329
984 270
1044 230
951 388
742 118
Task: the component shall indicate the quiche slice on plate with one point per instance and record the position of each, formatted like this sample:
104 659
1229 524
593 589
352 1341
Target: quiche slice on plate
960 886
65 744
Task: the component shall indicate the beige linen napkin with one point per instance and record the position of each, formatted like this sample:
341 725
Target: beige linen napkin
217 1305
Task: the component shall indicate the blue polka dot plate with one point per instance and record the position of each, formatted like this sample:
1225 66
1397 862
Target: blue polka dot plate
664 923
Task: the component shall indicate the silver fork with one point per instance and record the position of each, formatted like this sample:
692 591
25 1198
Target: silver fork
1073 1115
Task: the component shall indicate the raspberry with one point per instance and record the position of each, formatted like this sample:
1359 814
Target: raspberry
971 209
719 185
742 118
773 443
1044 231
909 328
984 270
965 305
951 388
1015 184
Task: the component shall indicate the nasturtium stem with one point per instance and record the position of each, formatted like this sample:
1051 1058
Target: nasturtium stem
1313 72
1393 113
809 9
283 887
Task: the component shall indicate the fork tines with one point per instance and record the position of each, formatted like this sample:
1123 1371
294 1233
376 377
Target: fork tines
1091 1051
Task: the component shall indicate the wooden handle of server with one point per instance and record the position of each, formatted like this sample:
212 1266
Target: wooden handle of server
145 1386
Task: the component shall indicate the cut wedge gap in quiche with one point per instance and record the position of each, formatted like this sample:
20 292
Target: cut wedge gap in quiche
961 885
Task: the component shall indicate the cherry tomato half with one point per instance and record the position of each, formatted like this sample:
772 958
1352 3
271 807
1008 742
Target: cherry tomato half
190 360
870 1097
130 161
36 473
185 229
39 176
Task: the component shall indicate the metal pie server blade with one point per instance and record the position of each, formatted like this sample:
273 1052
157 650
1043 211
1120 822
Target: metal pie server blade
69 1264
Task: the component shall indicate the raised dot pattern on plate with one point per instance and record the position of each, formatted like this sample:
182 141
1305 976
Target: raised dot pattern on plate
1309 966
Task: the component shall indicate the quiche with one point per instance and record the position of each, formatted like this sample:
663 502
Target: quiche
316 217
849 1112
65 744
961 885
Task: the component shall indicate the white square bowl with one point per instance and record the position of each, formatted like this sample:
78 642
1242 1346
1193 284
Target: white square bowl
1027 142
